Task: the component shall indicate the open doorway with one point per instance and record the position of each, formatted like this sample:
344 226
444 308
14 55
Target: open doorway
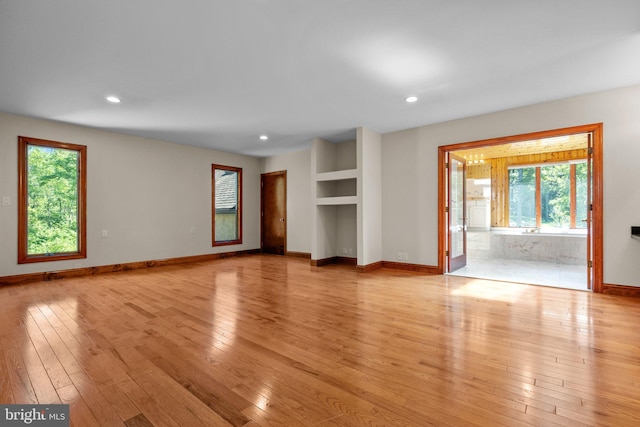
531 211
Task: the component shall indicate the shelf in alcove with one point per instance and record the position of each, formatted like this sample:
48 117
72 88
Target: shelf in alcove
342 200
337 175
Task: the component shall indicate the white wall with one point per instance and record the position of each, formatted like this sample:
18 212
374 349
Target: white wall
146 193
298 167
369 196
410 184
409 198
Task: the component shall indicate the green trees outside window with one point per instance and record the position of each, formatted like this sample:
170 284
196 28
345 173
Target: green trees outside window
52 200
522 197
548 196
580 212
555 193
52 215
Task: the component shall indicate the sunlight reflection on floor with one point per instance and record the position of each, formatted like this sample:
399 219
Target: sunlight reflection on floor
495 291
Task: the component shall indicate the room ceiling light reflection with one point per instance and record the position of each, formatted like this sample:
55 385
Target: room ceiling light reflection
394 60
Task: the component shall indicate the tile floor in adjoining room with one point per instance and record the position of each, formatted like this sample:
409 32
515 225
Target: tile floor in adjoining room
531 272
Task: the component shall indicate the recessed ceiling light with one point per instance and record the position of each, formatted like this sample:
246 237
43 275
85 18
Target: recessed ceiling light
411 98
263 137
112 99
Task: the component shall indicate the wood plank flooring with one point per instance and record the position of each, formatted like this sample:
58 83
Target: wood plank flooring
270 341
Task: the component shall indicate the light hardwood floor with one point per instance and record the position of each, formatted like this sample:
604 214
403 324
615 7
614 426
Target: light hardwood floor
266 340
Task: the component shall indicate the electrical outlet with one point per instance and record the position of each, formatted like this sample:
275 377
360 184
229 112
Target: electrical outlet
350 251
6 201
399 256
192 230
105 234
344 251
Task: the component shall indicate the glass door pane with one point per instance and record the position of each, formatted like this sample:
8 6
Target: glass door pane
457 214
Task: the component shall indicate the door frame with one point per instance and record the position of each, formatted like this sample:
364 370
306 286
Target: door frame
262 176
596 237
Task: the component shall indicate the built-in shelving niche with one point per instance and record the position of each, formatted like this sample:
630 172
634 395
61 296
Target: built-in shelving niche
336 198
338 192
346 225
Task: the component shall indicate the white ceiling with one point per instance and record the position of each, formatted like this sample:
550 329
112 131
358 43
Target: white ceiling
217 74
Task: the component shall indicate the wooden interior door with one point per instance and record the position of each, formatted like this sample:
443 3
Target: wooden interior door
457 218
273 229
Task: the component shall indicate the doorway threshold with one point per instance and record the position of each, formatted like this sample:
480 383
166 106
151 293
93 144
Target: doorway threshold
529 272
